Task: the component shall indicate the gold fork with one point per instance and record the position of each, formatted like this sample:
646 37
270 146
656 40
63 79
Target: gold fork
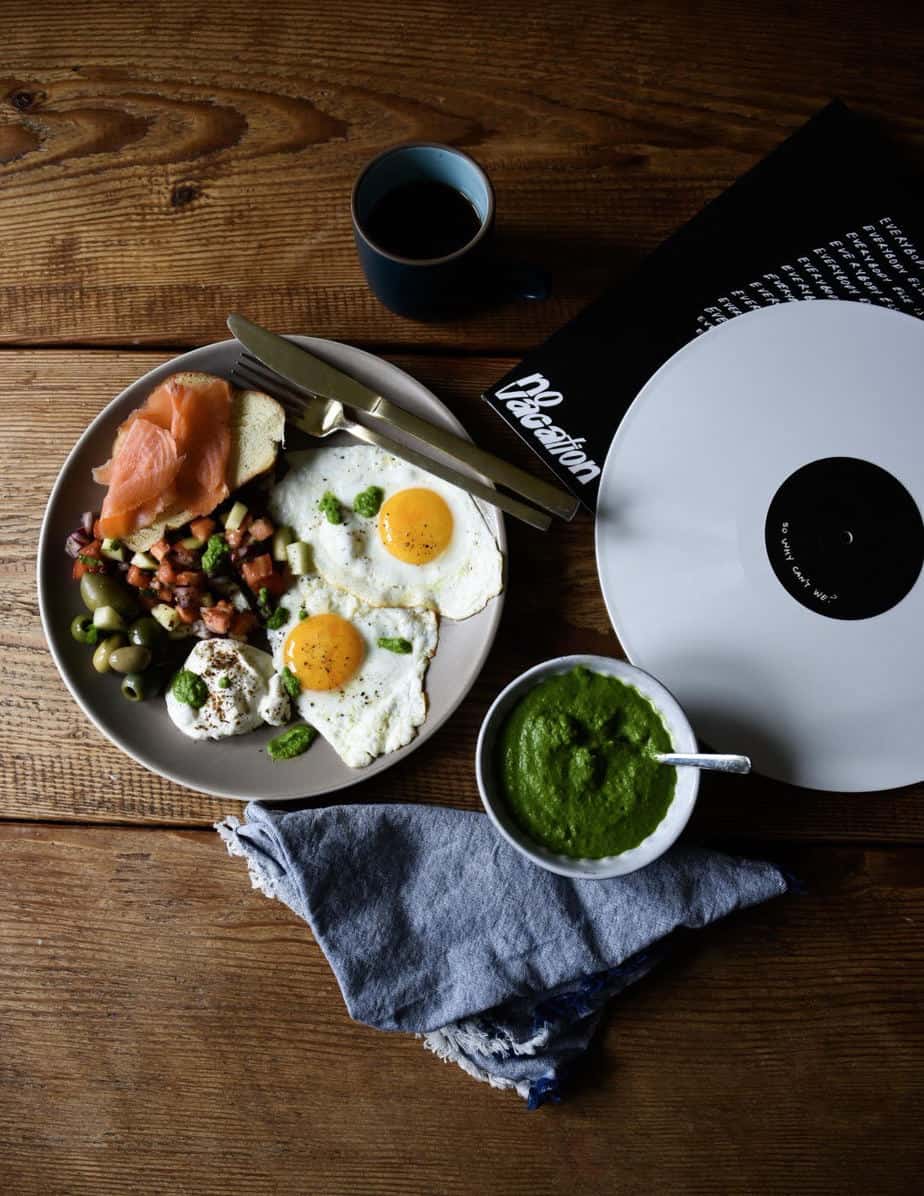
322 417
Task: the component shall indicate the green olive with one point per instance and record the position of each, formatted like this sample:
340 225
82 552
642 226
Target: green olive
134 659
96 589
82 629
133 687
138 686
104 650
146 633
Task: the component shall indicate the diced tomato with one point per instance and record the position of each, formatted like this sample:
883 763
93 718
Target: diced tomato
261 529
138 578
258 570
90 560
159 550
190 578
276 584
217 619
201 528
166 573
235 538
242 623
188 614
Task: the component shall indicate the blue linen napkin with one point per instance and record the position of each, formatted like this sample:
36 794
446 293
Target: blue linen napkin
435 925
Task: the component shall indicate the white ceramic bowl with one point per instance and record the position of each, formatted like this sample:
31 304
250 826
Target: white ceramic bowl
682 739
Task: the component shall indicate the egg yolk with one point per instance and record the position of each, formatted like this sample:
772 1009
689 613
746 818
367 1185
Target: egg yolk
415 525
323 651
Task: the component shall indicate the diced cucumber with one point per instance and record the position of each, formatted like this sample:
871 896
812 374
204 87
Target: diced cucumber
238 598
282 538
109 542
107 618
112 549
166 616
192 543
236 517
298 555
144 560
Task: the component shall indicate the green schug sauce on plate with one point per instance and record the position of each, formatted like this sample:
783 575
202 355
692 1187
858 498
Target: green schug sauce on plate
576 762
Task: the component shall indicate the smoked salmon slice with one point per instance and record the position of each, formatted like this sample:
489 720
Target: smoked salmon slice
201 427
141 478
170 456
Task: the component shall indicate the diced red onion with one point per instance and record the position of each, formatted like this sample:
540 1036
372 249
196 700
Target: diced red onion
76 542
186 596
87 520
182 556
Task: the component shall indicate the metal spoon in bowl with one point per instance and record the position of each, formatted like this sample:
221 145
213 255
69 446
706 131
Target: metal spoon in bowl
706 761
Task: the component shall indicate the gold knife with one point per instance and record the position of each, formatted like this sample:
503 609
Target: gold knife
316 377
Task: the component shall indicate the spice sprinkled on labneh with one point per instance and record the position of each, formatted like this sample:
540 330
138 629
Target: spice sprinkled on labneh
238 688
220 674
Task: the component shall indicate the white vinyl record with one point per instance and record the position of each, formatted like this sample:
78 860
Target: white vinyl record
759 540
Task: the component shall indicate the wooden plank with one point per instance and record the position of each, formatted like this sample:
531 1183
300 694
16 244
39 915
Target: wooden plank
144 196
553 607
168 1029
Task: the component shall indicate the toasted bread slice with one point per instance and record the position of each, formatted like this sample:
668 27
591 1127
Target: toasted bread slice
257 430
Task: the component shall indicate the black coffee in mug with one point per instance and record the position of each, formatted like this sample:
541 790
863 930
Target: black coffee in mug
423 216
423 219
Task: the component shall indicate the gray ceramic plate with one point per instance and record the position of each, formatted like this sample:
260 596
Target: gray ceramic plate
237 767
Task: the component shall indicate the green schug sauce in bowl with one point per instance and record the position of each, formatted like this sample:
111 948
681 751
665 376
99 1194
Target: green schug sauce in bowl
577 764
567 769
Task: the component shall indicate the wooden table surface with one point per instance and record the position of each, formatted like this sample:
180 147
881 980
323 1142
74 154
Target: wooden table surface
163 1028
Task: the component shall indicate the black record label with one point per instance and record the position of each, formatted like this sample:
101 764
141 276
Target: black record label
845 538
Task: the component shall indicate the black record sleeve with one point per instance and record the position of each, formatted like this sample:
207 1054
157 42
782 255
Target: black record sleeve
826 215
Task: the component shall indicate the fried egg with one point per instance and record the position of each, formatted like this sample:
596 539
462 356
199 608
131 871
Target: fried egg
363 697
428 545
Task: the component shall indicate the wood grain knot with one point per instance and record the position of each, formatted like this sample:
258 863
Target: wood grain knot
184 193
22 101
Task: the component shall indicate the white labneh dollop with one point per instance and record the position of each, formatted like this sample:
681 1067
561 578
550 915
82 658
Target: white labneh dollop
243 691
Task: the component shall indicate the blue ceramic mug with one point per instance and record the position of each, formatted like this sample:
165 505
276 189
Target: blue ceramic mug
430 287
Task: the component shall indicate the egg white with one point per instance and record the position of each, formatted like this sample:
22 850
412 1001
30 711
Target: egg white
380 708
458 583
